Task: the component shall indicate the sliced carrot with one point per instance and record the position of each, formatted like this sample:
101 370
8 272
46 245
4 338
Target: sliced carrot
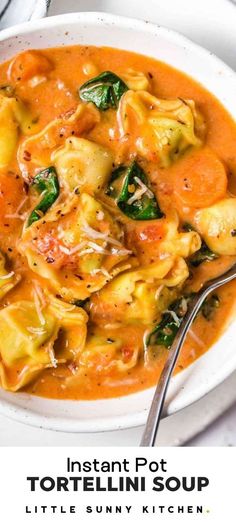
200 179
29 64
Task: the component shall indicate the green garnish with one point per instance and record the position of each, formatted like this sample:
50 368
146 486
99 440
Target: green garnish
164 332
47 182
104 90
203 254
129 187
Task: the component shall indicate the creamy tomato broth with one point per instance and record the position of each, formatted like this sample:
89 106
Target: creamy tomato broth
117 201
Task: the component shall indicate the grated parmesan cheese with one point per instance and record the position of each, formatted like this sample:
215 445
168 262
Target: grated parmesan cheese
136 196
86 251
142 185
158 292
7 276
103 271
37 331
53 359
174 315
38 308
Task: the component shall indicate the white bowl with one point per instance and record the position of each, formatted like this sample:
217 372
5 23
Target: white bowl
213 367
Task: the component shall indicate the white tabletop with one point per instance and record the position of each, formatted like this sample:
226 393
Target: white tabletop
210 23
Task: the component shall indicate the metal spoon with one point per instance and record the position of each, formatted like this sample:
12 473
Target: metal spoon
152 424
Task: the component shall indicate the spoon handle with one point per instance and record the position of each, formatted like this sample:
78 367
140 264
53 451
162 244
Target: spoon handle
150 431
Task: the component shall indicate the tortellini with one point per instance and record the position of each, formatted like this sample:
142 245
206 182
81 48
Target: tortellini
26 344
31 342
8 279
182 244
101 355
163 129
35 152
136 80
82 164
76 247
217 225
133 296
150 241
72 328
13 116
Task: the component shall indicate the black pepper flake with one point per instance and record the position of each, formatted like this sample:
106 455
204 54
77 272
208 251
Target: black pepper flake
109 340
233 232
50 260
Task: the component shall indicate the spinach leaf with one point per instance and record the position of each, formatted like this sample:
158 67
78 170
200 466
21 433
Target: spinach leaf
104 90
165 331
45 181
203 254
129 187
209 306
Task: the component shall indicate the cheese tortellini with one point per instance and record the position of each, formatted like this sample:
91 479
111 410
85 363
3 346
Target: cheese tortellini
133 296
82 164
31 341
26 344
76 247
163 129
217 225
101 356
165 239
40 146
13 116
136 80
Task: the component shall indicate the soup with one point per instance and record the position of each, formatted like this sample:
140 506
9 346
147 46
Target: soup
117 191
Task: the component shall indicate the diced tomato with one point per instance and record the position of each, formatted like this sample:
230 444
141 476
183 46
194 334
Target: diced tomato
49 246
127 353
151 232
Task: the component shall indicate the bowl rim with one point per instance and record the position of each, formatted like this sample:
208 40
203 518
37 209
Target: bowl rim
19 412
